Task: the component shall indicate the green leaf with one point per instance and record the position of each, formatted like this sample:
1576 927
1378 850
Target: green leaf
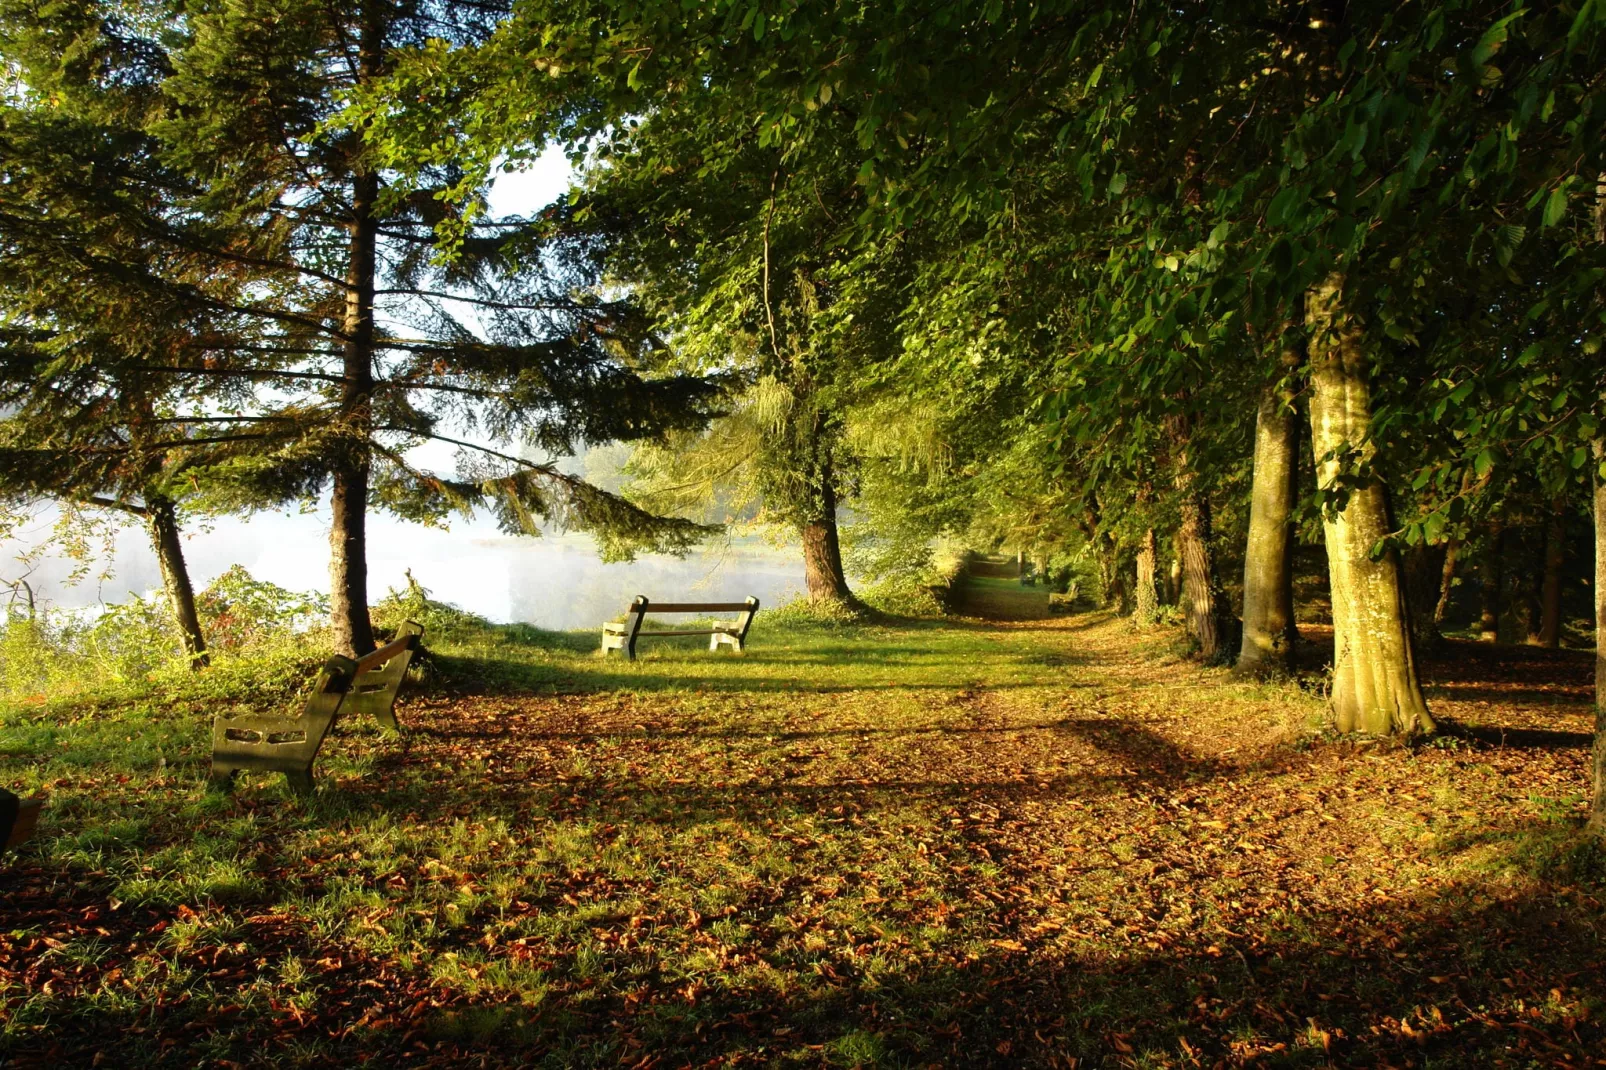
1117 184
1556 206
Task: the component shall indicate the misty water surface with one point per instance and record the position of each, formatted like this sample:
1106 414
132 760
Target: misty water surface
554 581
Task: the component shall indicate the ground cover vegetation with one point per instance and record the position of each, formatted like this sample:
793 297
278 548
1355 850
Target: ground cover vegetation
1262 338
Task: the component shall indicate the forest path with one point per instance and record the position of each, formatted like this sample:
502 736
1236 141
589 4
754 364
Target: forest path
991 589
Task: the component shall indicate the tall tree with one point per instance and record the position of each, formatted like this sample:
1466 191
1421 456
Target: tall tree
350 343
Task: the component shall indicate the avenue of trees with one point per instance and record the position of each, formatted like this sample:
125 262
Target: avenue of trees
1218 303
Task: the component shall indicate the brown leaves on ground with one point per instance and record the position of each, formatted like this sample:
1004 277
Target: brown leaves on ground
1022 843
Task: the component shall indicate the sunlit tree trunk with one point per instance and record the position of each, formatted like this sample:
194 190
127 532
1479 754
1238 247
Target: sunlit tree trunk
1550 587
1147 604
1201 587
161 517
1375 687
1173 581
823 573
1491 575
1268 620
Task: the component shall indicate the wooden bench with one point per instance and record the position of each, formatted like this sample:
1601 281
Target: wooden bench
277 743
379 678
18 819
622 635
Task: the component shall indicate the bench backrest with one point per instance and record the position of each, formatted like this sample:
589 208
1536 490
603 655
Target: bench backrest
640 606
379 675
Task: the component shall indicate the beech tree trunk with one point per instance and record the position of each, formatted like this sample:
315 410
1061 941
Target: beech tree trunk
1173 581
1597 762
1491 575
1550 587
1375 686
1269 634
161 517
1147 603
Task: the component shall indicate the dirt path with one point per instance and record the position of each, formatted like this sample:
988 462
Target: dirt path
991 590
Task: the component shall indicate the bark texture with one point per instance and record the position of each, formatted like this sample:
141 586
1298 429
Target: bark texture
822 550
1147 601
1269 635
1202 601
161 518
1375 686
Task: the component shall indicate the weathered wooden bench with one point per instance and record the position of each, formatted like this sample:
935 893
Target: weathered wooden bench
276 743
622 635
379 678
18 819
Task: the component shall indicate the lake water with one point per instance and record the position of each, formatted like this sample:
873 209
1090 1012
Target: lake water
554 581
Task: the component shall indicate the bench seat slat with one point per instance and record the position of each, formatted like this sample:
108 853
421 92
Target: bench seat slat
693 607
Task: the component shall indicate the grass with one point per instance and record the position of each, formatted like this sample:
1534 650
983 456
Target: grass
908 842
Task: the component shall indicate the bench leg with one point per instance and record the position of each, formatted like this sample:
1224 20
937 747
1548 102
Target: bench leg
221 779
300 780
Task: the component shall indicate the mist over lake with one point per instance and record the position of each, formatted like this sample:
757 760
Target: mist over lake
553 581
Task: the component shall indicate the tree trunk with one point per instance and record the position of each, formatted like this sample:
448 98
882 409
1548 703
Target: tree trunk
1441 609
1147 604
1173 581
1550 587
1423 569
1375 687
162 519
1597 762
1269 635
1201 589
348 536
1491 574
822 549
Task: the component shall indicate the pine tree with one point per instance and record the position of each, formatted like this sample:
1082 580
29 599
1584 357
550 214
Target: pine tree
319 310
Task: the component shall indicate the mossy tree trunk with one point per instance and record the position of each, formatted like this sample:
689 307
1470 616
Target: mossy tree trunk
1146 599
161 518
1268 619
1375 686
